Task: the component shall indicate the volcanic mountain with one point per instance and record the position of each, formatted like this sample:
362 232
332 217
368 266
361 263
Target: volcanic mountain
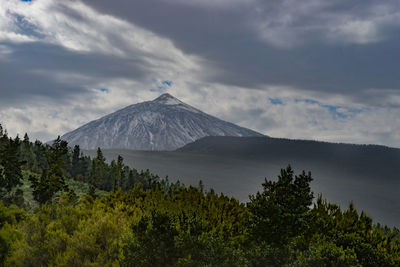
165 123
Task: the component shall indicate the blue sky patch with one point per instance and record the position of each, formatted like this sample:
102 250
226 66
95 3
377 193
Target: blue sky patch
167 83
104 90
334 110
308 101
26 0
160 86
275 101
25 27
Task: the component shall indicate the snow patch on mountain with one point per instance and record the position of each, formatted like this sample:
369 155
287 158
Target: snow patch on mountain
165 123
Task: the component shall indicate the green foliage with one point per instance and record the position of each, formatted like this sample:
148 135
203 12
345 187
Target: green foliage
66 234
281 212
52 179
50 168
9 218
79 168
263 254
152 242
325 254
149 221
373 246
100 172
188 229
11 173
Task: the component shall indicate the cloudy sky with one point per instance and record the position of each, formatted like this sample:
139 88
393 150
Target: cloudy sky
313 69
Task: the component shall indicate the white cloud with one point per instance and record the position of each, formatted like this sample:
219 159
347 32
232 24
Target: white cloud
9 31
359 32
213 3
248 108
78 28
295 119
293 23
81 29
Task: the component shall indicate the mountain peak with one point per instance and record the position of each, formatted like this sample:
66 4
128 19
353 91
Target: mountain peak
167 99
166 123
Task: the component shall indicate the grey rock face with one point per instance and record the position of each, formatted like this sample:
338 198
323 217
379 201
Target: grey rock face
165 123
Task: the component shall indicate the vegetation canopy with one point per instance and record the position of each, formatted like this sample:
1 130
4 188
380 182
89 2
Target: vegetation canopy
61 208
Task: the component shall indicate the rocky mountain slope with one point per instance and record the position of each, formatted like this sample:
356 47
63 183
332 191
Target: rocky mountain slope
165 123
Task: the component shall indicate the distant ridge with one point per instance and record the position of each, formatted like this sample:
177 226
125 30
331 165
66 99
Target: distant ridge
368 175
276 146
166 123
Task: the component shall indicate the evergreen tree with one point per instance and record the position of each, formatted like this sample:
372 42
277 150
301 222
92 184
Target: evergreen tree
39 151
75 165
119 174
26 154
100 171
125 177
52 179
26 139
201 186
116 172
113 176
155 245
282 211
131 180
85 165
3 136
11 173
100 155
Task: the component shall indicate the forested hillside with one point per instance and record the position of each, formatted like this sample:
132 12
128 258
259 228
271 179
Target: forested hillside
365 174
128 217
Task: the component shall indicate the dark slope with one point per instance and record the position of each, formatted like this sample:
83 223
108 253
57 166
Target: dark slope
365 174
372 160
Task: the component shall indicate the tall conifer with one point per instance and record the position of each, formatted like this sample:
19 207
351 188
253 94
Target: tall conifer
11 173
52 179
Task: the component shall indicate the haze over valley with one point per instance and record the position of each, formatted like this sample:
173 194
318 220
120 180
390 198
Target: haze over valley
366 175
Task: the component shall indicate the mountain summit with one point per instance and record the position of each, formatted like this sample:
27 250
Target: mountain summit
166 123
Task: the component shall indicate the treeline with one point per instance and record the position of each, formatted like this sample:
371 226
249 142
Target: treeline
162 224
51 165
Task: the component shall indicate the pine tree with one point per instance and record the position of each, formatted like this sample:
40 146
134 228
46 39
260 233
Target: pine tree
75 165
131 180
120 166
100 156
113 175
3 137
201 185
99 171
116 172
26 153
39 151
11 173
282 210
52 178
26 139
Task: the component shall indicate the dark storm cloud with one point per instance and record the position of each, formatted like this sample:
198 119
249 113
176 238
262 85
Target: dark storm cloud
315 49
32 69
